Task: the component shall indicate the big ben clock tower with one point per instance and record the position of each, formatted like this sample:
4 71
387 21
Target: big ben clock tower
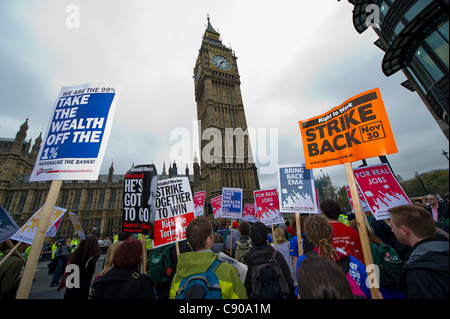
226 160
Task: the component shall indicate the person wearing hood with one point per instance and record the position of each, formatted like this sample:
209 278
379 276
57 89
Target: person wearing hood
320 232
262 254
426 266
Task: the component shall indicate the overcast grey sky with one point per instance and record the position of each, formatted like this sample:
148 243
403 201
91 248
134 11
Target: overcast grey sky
297 59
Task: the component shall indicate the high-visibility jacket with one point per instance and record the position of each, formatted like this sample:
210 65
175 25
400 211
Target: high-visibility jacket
26 253
148 242
54 246
74 243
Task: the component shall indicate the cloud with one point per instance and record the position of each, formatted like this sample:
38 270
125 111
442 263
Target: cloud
296 60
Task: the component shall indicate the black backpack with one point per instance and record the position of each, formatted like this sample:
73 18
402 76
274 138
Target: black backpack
268 281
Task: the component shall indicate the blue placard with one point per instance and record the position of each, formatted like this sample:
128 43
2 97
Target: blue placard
231 202
76 138
296 189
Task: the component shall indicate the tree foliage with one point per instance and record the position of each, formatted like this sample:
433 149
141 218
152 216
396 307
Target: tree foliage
435 182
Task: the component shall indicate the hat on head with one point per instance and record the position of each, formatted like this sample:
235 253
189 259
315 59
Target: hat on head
258 234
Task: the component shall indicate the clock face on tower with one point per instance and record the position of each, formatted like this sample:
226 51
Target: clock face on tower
221 62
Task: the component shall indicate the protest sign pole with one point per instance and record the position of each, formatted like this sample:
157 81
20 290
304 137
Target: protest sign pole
299 234
177 247
362 229
231 238
30 268
10 244
12 251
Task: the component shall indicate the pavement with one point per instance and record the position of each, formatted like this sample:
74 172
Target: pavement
40 288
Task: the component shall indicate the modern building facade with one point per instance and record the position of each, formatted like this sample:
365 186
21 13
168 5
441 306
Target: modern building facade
226 159
414 34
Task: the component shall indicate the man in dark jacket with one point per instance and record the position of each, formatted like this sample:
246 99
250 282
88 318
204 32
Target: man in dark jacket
435 208
268 275
425 272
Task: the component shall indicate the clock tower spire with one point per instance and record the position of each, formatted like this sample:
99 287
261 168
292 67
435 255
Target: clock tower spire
226 157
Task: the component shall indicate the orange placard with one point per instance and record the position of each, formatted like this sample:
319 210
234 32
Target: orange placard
357 129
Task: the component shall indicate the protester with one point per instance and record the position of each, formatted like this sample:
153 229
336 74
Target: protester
10 270
85 257
108 262
289 228
345 239
436 208
320 278
307 245
389 264
282 245
383 231
163 282
235 238
244 243
199 234
219 245
223 230
320 232
268 275
124 280
425 272
62 253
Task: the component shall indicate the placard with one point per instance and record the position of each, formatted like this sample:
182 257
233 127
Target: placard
77 135
174 210
357 129
27 232
267 207
139 198
380 188
199 203
362 199
249 214
216 204
296 189
76 224
232 202
8 226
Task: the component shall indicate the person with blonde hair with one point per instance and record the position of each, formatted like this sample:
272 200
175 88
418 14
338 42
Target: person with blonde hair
109 259
282 245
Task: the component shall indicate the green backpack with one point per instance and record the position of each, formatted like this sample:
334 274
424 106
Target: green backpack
160 264
389 262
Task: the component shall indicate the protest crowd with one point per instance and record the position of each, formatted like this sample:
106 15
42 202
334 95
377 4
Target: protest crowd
246 260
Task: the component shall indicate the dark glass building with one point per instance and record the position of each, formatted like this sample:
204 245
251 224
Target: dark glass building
414 34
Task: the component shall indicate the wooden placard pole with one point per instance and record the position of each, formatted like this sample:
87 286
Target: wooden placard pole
35 252
274 238
177 247
368 259
12 251
299 234
10 245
